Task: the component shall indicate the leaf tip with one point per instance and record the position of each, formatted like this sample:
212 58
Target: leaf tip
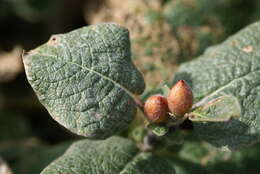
54 39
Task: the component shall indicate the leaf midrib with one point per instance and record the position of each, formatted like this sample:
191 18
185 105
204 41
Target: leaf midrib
93 71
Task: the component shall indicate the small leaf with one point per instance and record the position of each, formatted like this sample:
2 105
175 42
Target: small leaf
114 155
231 68
158 129
220 109
86 79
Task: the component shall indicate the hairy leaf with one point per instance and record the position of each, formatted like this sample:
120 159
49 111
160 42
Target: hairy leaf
208 157
187 167
158 129
231 68
220 109
114 155
86 79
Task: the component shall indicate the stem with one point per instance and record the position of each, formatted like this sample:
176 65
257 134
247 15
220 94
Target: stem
139 103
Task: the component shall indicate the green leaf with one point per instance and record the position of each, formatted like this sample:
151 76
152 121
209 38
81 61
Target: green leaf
216 161
243 162
114 155
220 109
187 167
232 68
86 79
158 129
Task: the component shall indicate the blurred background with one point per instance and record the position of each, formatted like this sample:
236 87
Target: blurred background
164 33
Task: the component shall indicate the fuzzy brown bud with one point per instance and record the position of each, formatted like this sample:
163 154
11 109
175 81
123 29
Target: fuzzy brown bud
156 109
180 98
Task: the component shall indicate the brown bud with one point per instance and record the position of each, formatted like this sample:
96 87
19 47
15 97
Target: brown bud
180 98
156 109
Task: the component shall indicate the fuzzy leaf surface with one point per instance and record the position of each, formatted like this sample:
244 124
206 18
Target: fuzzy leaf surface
114 155
220 109
158 129
86 79
231 68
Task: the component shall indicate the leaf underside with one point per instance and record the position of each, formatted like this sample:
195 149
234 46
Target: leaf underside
86 79
231 68
114 155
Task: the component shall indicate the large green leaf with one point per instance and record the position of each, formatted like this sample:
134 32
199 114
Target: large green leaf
216 161
86 79
231 68
187 167
111 156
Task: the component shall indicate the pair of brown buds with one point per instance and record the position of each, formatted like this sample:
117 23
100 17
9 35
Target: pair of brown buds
178 102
